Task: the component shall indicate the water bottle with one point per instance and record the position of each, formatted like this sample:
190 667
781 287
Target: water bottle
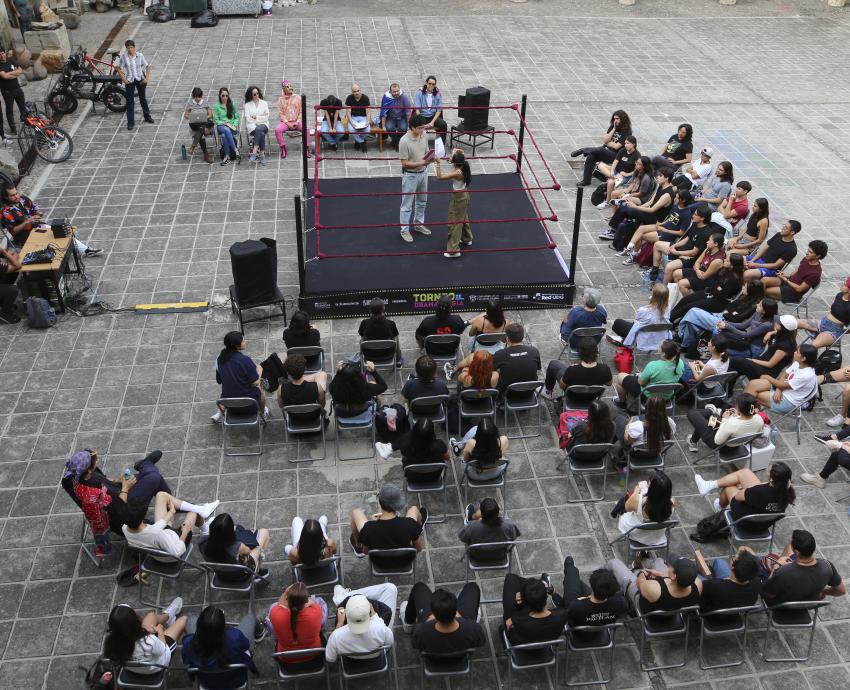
774 435
128 474
647 281
183 152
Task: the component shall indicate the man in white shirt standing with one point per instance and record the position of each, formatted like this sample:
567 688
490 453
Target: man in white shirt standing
414 177
161 535
359 628
134 71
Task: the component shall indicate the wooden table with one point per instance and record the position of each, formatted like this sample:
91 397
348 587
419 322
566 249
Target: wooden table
42 274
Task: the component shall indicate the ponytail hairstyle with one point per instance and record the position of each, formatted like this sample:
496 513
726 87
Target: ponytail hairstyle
764 208
232 341
745 404
670 350
780 479
720 343
459 161
297 597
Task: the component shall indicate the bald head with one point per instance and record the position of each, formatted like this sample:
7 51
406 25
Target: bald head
355 90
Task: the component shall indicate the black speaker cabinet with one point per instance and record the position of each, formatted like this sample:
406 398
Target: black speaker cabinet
474 108
254 266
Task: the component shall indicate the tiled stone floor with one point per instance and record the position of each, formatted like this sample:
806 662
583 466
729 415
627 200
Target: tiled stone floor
768 94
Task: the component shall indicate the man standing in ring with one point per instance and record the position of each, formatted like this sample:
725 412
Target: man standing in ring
414 177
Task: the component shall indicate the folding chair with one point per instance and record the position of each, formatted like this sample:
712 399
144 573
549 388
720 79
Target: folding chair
793 615
360 666
523 396
639 460
797 414
400 570
296 426
665 624
130 679
531 656
487 556
242 413
659 389
237 306
585 395
749 528
433 407
314 355
488 340
323 573
448 665
231 577
443 348
603 637
474 404
497 481
736 451
589 459
803 303
713 388
171 568
286 674
349 424
586 332
635 546
663 327
217 677
384 355
417 481
725 623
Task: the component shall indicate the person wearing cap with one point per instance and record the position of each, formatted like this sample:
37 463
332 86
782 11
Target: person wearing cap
412 150
778 353
832 326
658 586
445 623
790 289
360 627
357 104
775 254
797 384
388 529
798 576
289 114
737 205
700 170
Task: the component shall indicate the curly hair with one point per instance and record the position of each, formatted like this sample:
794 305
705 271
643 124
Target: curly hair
481 369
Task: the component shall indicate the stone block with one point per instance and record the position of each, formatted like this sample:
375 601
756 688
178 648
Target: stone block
836 3
52 59
38 41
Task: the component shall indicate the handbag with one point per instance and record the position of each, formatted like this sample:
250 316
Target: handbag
624 359
644 255
567 421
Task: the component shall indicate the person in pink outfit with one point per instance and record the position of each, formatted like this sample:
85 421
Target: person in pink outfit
289 111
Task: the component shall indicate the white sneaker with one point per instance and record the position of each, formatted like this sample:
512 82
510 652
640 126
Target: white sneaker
693 446
266 414
716 505
628 250
208 509
703 486
323 521
172 610
546 393
384 449
813 479
287 549
402 608
217 417
340 594
406 236
837 420
205 528
603 205
716 411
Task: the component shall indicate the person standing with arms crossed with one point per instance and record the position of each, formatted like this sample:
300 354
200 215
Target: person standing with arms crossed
135 71
414 178
461 176
11 90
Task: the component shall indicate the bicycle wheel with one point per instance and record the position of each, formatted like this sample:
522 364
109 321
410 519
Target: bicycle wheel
115 99
53 144
63 102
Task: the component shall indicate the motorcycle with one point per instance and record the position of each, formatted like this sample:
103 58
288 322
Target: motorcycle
77 82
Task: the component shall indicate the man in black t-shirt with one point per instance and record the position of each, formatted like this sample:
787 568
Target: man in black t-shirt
332 129
774 254
734 583
799 576
516 362
425 382
443 322
379 327
525 614
600 604
588 373
11 90
444 623
688 246
358 117
388 529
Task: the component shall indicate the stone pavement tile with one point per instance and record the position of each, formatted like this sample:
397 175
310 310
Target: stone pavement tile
32 637
45 598
23 675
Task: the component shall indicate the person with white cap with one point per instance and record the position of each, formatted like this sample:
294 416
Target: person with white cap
389 529
778 353
360 626
699 170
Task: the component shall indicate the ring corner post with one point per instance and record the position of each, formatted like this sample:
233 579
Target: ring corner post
521 138
571 290
305 143
299 243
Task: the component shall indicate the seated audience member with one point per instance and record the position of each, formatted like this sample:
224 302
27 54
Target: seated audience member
357 104
491 321
161 535
235 544
419 446
226 118
718 362
199 129
736 206
658 586
688 247
331 121
360 629
475 371
288 114
736 421
590 314
775 254
698 321
790 289
650 501
700 273
838 450
779 349
525 616
700 170
299 389
755 231
256 117
619 173
638 189
297 621
482 450
719 187
588 372
630 215
388 529
598 427
799 576
678 150
629 333
653 430
310 541
733 584
793 387
516 362
425 382
668 369
210 645
485 525
396 111
831 326
599 604
379 327
442 322
10 262
745 494
237 374
669 229
444 623
747 337
353 393
428 102
148 639
300 333
715 296
619 128
20 214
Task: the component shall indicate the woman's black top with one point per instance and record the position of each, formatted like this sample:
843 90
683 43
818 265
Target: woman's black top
840 309
309 339
352 408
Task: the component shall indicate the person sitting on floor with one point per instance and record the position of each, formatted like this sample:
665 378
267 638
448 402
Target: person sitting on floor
736 205
588 372
658 586
837 319
755 231
310 541
360 626
230 543
353 393
300 333
525 616
630 215
650 501
638 189
717 294
747 337
838 449
736 421
199 129
630 334
668 369
237 374
688 247
444 623
481 450
797 384
678 150
619 128
396 111
791 289
775 254
589 314
599 604
799 576
619 174
745 494
718 362
485 525
148 639
701 273
733 584
388 529
441 322
296 621
779 349
700 170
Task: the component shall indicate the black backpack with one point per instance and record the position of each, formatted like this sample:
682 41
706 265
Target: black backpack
205 19
95 673
272 372
599 194
711 528
829 361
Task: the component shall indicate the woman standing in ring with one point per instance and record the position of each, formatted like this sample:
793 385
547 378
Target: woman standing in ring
460 233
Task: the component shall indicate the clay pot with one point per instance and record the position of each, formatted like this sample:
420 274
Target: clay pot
39 71
72 21
23 56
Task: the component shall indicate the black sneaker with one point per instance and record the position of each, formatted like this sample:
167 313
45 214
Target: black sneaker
261 575
546 580
225 161
334 147
152 457
13 129
91 251
9 318
456 449
260 632
364 148
470 511
423 511
577 153
653 274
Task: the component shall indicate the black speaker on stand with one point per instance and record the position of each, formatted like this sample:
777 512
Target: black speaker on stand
474 109
254 266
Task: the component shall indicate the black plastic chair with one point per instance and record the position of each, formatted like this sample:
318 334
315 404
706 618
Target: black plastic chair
314 355
749 528
474 403
290 673
493 480
324 573
531 656
594 332
231 577
713 388
130 679
793 616
725 623
635 546
216 677
579 397
589 459
296 426
443 348
237 306
600 638
665 624
638 459
360 666
427 478
163 565
384 355
433 407
524 396
450 665
346 424
406 553
242 413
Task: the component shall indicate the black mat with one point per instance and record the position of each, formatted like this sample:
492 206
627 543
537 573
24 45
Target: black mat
355 274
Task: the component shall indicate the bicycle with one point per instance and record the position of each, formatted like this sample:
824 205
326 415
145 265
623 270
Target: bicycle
79 80
101 67
52 143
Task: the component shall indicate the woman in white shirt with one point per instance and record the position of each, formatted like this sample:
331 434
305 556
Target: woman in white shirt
718 362
147 640
714 427
257 122
794 386
649 501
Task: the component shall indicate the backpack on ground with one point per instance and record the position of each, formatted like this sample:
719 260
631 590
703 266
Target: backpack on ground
205 19
711 528
273 371
599 194
102 674
828 361
39 313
